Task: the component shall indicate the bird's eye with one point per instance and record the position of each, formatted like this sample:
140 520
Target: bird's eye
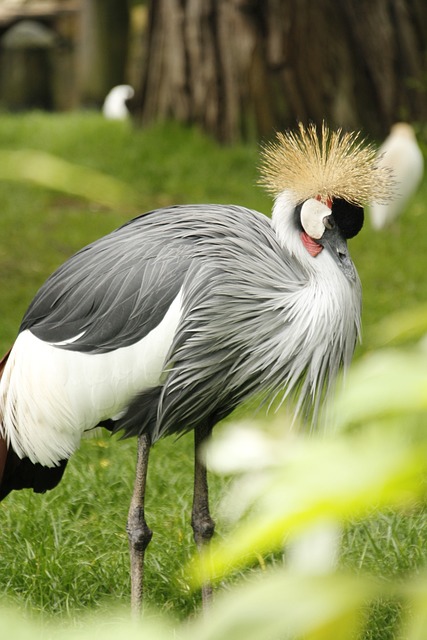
329 222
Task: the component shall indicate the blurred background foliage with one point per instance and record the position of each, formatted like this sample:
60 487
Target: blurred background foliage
237 68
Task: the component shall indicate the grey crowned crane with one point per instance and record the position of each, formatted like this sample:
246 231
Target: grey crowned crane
168 323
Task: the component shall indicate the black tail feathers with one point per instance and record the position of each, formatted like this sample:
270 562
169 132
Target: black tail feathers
23 474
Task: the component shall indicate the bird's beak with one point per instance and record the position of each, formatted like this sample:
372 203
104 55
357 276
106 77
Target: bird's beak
336 244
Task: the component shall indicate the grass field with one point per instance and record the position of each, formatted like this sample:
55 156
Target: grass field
65 553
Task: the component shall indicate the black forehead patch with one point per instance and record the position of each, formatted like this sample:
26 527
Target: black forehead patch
349 217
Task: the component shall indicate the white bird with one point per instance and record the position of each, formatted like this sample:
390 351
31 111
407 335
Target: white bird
114 107
400 154
168 323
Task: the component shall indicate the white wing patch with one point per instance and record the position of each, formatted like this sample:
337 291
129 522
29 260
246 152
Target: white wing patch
50 396
62 343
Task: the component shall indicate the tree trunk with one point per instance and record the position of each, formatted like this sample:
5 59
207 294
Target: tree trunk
241 68
103 48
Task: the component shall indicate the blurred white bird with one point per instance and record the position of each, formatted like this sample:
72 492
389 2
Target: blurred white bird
401 153
114 107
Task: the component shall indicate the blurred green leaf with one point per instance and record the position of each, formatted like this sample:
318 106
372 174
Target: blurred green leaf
280 604
114 626
401 326
415 593
383 385
333 479
47 170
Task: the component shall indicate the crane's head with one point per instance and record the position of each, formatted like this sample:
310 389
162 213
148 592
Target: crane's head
321 183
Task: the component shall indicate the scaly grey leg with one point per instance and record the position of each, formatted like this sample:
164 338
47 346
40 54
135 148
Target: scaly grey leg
138 532
201 521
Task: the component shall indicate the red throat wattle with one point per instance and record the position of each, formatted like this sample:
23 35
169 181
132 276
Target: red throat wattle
313 247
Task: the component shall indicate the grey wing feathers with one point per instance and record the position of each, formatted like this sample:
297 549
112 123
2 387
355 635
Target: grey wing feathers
114 291
110 307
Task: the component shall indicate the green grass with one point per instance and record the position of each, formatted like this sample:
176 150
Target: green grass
66 552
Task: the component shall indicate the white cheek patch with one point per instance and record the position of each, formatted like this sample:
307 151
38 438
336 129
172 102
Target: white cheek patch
312 214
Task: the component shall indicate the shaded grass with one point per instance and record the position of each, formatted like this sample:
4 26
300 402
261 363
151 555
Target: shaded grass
66 552
391 546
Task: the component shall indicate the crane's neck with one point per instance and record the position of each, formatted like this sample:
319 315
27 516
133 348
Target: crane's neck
287 233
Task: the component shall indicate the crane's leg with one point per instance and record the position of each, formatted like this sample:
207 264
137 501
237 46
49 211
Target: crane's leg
138 532
201 521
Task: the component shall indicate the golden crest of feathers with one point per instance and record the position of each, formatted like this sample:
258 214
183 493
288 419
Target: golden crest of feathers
334 164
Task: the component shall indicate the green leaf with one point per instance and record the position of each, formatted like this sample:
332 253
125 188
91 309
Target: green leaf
45 169
334 479
383 385
401 326
280 604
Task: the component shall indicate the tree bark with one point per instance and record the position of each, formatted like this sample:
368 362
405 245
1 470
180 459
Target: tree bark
241 68
103 48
